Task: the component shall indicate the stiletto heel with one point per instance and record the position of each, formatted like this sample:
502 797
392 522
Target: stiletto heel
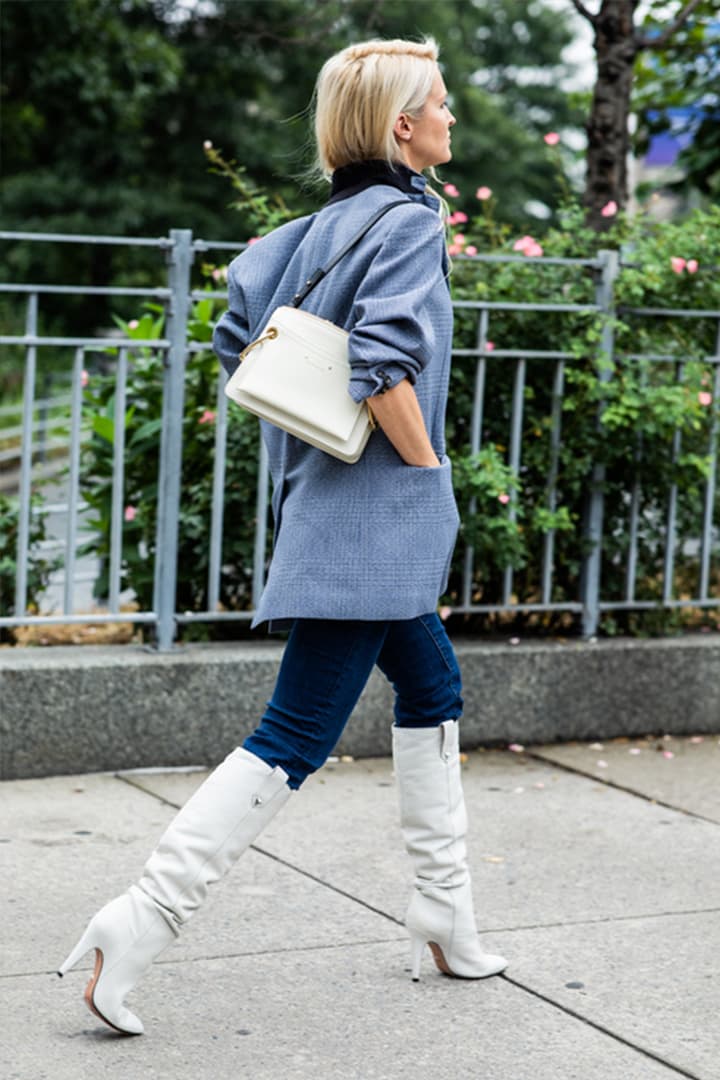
417 944
84 945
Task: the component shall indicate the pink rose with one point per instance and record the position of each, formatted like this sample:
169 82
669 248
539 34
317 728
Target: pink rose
483 193
504 498
705 398
253 240
677 264
208 417
489 346
471 250
459 238
133 324
522 243
610 209
454 249
461 218
692 266
552 138
130 513
451 191
84 378
533 250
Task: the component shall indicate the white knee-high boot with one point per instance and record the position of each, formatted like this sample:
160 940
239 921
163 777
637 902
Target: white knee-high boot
434 826
212 830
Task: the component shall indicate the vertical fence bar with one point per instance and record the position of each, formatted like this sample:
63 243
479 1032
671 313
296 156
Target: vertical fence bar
26 460
555 434
476 424
44 417
631 569
671 520
73 481
218 495
516 419
118 482
635 495
180 262
261 508
592 563
709 503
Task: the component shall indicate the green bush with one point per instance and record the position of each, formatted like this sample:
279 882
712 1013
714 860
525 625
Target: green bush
627 424
142 453
39 568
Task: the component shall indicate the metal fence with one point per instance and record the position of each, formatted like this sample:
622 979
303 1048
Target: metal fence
45 425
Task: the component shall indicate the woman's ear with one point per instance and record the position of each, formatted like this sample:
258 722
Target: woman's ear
402 128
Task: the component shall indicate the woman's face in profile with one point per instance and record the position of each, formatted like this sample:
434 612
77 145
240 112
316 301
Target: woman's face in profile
425 141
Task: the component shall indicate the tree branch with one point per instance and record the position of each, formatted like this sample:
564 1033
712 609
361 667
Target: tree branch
662 39
580 7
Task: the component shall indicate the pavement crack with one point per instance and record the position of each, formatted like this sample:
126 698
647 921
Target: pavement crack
240 955
329 885
577 770
606 919
151 794
679 1069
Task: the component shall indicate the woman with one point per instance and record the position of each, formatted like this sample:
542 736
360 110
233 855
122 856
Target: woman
362 551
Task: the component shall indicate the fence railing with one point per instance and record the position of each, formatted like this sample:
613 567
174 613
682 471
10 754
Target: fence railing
28 431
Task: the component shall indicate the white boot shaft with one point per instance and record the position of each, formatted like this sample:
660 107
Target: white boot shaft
434 826
432 804
217 824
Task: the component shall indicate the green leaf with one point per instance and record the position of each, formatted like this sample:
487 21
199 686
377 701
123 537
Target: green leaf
104 426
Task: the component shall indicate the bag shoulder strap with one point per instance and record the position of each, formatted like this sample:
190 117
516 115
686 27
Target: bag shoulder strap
321 272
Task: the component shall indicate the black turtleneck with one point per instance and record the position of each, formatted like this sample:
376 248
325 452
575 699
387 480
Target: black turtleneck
351 179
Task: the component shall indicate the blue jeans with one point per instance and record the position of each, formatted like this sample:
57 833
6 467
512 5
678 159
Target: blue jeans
324 669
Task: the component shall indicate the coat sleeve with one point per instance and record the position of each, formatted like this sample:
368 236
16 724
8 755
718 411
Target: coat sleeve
392 337
232 332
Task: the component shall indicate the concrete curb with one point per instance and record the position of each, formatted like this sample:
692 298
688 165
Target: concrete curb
74 709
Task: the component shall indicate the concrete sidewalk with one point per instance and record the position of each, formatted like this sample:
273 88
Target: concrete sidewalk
597 873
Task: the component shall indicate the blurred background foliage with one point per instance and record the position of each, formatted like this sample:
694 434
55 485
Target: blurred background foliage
677 89
107 105
103 129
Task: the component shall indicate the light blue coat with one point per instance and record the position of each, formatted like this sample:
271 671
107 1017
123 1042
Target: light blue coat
371 540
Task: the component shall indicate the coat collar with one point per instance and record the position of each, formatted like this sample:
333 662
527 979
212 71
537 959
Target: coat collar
356 177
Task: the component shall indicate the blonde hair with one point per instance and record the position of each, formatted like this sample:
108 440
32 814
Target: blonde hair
359 94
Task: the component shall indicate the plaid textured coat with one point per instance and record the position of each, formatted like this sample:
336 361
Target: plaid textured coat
371 540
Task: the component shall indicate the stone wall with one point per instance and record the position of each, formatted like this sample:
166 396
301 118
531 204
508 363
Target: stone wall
94 708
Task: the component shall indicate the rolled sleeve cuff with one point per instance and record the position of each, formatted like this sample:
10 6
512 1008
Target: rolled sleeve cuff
369 382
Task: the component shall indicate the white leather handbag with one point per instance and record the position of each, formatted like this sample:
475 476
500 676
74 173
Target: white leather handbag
296 373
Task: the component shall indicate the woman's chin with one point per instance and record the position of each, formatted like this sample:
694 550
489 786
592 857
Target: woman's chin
447 156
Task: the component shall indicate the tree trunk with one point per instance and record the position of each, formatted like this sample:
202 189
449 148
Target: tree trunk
607 129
